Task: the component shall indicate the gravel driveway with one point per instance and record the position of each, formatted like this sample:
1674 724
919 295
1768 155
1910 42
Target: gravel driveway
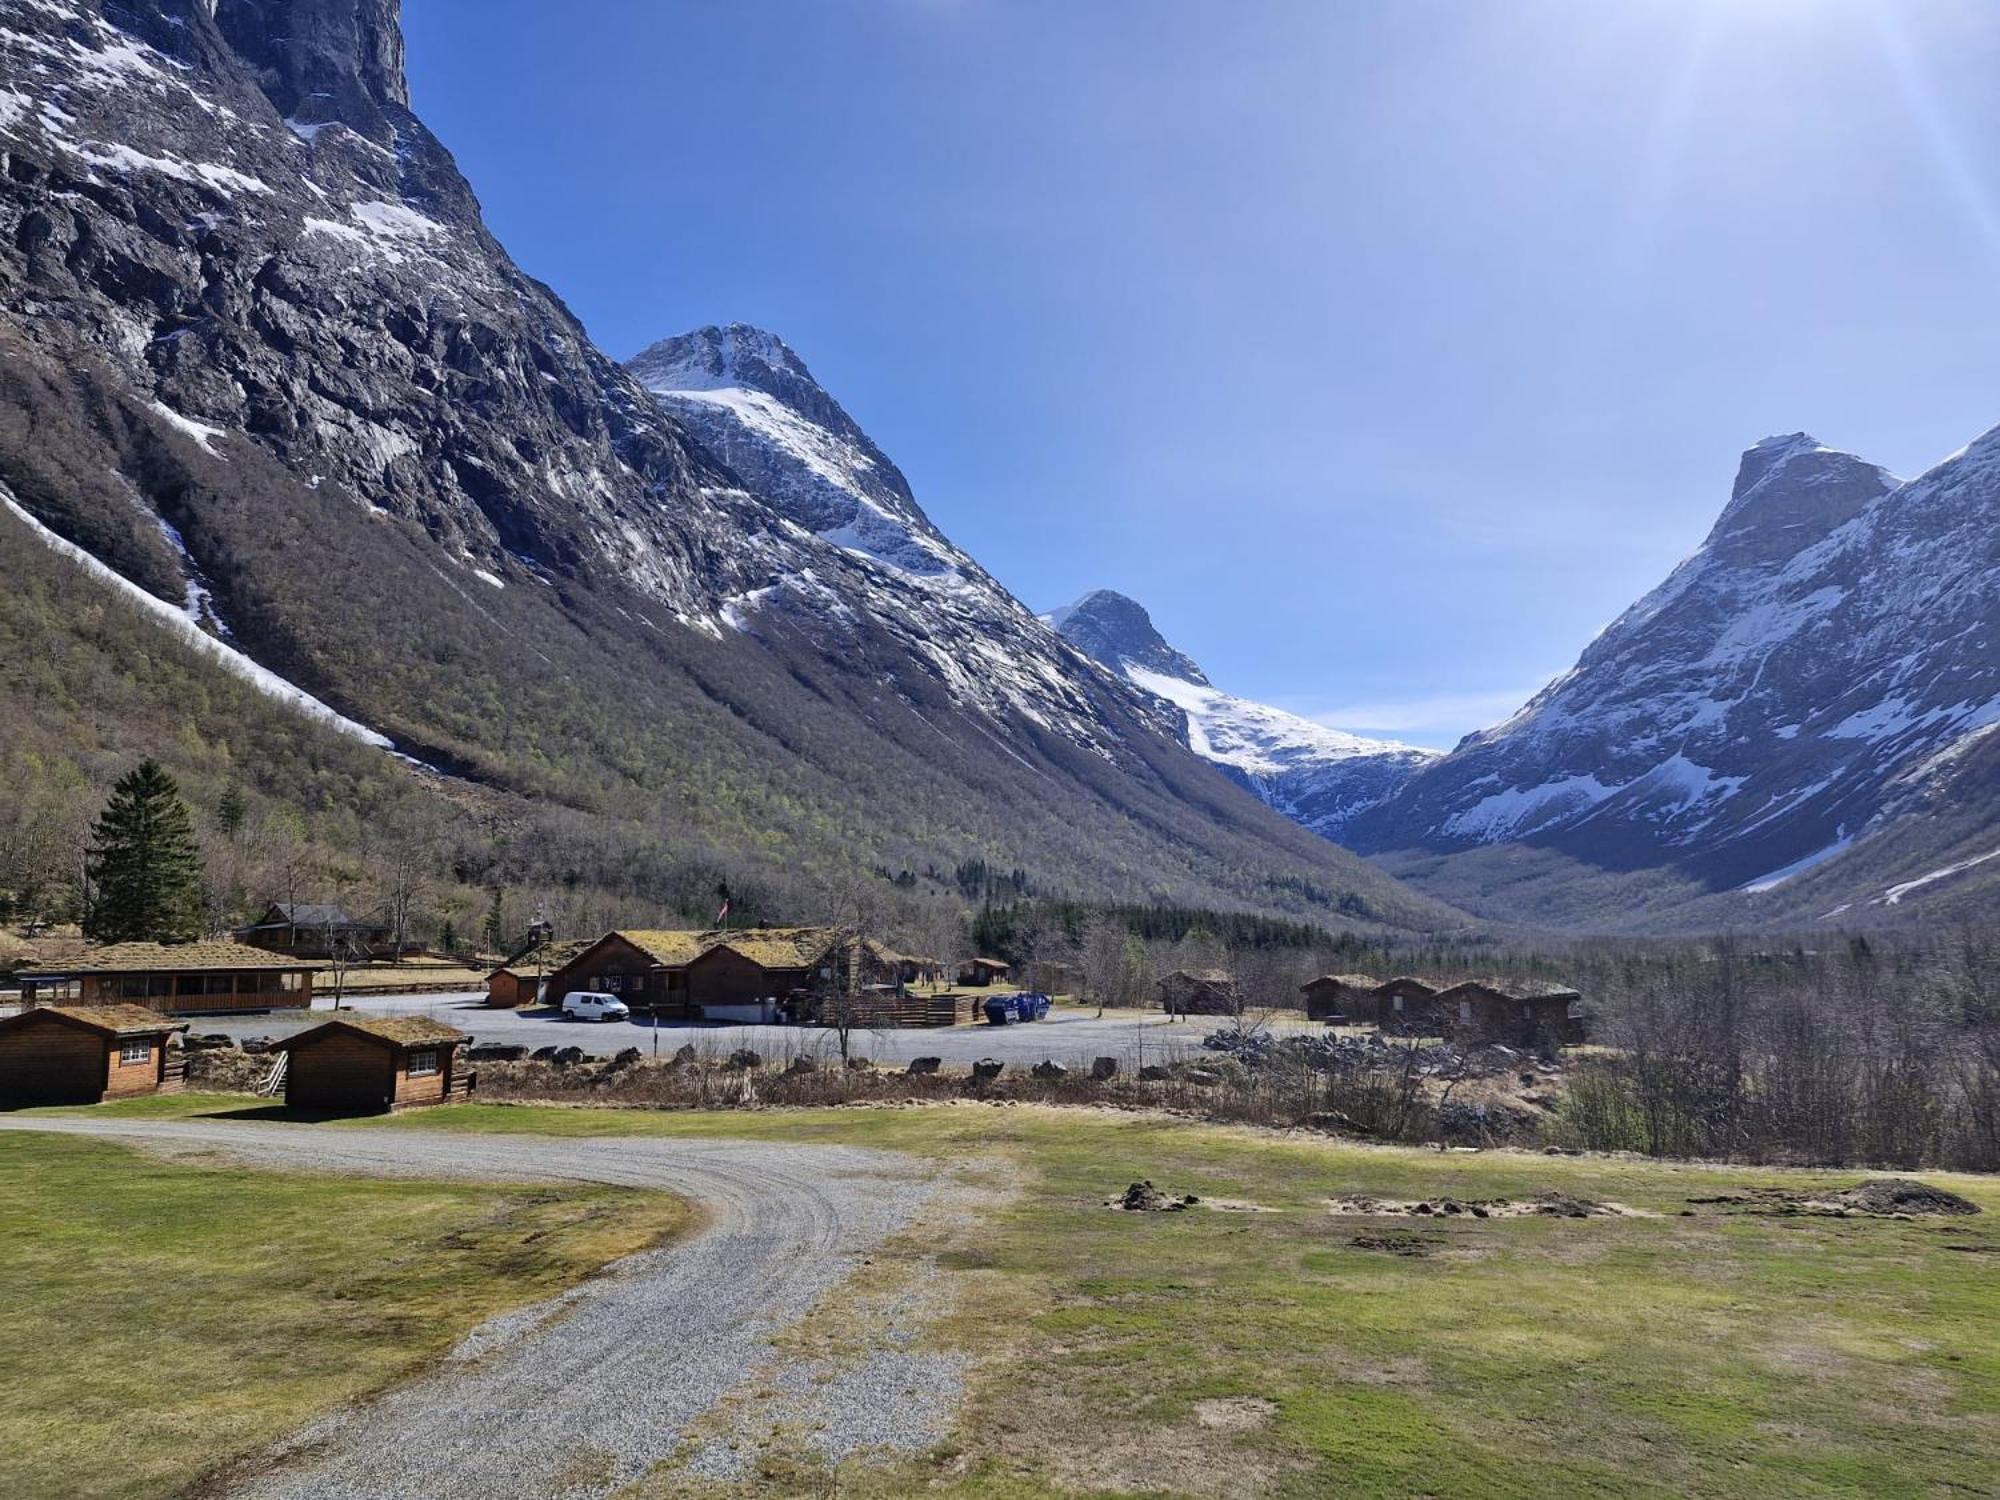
583 1393
1070 1036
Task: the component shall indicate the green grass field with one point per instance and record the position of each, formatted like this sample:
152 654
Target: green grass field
1259 1349
161 1319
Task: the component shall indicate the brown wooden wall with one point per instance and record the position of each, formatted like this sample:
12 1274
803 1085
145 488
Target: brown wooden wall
341 1071
722 976
427 1089
50 1062
185 993
612 958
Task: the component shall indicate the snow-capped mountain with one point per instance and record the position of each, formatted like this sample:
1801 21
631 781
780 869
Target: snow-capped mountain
261 358
1823 665
1316 776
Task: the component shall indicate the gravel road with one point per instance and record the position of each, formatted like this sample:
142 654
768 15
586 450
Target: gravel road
583 1393
1070 1036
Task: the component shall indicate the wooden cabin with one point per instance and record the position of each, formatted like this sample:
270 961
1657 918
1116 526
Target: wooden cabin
643 967
175 978
367 1064
1529 1012
83 1054
1404 1004
978 973
518 982
318 929
1339 997
1198 992
744 974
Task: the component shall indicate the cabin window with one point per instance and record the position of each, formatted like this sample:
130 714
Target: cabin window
424 1063
1396 1002
611 983
291 982
131 989
132 1053
1465 1010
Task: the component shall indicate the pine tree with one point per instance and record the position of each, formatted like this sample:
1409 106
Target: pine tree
145 868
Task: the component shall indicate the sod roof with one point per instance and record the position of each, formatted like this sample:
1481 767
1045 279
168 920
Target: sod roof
111 1020
398 1031
153 958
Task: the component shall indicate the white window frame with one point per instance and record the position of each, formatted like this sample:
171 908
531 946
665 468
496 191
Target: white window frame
424 1063
126 1050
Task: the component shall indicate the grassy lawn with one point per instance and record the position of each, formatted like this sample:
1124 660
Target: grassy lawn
1261 1350
160 1320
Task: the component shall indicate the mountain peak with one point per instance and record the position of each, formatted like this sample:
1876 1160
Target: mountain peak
1790 491
1110 628
722 357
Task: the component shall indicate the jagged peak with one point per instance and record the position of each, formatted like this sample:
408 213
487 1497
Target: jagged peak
324 61
1111 628
1791 490
720 356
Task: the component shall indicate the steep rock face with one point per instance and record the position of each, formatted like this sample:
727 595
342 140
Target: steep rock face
752 402
1794 686
261 358
1319 777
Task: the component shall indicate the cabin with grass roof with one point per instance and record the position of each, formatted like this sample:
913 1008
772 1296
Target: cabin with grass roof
644 967
85 1054
362 1064
1339 997
174 978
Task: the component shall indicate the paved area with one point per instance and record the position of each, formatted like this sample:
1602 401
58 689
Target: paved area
580 1395
1068 1036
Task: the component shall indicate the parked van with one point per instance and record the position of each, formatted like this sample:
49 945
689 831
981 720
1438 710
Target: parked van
590 1005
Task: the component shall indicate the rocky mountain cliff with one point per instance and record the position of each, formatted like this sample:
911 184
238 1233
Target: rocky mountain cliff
1779 719
1321 778
265 372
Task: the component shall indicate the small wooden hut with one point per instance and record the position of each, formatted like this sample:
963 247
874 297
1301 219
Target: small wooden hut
1198 992
1405 1004
1526 1011
366 1064
1339 997
978 973
84 1054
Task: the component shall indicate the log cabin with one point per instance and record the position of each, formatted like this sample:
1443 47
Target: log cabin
83 1054
643 967
978 973
314 929
1530 1012
1339 997
368 1064
1198 992
175 978
1405 1004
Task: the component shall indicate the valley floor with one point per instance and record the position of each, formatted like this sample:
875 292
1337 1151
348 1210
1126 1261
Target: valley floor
1274 1339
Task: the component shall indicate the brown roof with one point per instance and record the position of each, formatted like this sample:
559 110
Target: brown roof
776 947
111 1020
986 963
150 958
1201 976
665 946
1345 981
550 959
1516 989
398 1031
1407 981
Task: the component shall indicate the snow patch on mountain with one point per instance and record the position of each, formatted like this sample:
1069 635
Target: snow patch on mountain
1316 775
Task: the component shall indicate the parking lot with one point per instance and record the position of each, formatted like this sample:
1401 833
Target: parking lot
1069 1035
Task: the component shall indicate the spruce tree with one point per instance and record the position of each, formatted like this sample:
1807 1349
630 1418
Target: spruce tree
145 868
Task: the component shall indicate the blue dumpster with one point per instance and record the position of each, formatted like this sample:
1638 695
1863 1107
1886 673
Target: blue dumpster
1033 1007
1003 1009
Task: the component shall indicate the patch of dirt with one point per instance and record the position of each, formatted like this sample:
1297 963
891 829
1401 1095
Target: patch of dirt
1549 1205
1398 1242
1144 1198
1877 1198
1236 1206
1235 1413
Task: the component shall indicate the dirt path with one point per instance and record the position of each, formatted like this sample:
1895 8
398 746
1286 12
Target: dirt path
583 1393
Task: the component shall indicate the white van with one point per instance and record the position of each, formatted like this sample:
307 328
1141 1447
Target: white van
591 1005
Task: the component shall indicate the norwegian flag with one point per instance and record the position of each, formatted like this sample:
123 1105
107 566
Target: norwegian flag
722 913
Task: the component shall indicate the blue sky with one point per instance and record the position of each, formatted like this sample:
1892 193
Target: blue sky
1385 349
